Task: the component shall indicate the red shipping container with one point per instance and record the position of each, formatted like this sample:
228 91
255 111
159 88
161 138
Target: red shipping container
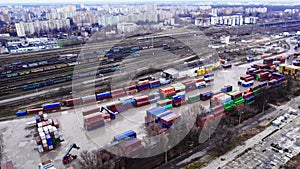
38 140
117 91
169 94
254 87
249 79
154 82
199 80
132 87
89 101
92 117
46 148
55 122
133 144
130 92
34 111
141 98
94 123
248 94
88 112
116 95
72 102
143 103
245 77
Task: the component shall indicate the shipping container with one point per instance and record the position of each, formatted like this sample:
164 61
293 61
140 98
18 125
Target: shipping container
91 111
34 111
52 106
72 102
89 99
126 135
103 96
21 113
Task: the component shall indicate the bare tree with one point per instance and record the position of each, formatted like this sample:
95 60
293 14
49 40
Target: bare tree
90 160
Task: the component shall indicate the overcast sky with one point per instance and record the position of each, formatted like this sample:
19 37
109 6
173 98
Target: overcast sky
104 1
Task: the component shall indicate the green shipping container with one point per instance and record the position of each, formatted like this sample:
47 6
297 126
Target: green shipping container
232 92
228 103
227 108
168 106
237 99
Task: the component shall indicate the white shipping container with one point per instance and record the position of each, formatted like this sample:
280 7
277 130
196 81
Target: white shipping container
42 135
45 116
50 120
51 147
40 130
40 148
39 125
89 97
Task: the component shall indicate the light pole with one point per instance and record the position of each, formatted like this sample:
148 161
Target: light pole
166 154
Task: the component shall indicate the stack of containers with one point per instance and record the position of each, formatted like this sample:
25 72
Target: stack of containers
248 81
206 120
194 99
116 106
128 101
91 111
237 99
154 83
178 87
209 79
48 134
143 85
250 70
290 70
190 85
264 76
178 99
72 102
218 111
151 113
103 96
226 89
132 147
249 98
117 93
268 61
167 92
200 83
142 101
52 106
89 99
166 103
255 89
131 89
93 121
168 120
256 72
219 99
206 96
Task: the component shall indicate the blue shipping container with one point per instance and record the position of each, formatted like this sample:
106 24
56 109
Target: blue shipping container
125 135
103 95
21 113
51 105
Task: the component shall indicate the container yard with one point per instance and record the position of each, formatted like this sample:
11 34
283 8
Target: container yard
120 116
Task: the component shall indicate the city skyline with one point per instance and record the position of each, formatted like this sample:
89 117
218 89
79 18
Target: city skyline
240 2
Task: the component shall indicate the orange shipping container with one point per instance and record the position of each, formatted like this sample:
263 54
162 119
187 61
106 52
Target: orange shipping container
167 89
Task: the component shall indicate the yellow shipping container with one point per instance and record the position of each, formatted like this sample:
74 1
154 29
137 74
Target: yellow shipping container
200 72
